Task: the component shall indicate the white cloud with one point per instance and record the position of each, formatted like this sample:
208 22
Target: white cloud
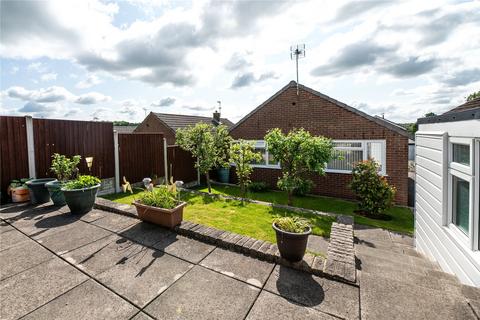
48 76
92 98
54 94
89 82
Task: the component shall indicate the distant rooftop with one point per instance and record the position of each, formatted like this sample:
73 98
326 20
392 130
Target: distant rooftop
176 121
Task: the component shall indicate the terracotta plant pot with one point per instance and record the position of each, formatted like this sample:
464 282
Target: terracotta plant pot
20 194
291 245
168 218
38 191
80 201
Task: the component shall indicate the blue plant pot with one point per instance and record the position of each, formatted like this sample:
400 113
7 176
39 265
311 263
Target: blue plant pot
54 188
38 191
223 175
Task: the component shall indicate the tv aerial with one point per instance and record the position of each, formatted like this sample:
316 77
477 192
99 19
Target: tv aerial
297 52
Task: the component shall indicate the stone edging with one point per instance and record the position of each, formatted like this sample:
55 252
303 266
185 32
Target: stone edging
265 250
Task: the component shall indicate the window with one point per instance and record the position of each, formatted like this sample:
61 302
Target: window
461 153
351 152
461 203
267 159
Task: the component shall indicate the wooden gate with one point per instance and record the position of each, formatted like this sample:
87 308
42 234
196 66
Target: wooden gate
181 164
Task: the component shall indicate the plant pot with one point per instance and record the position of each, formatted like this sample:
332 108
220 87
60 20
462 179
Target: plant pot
168 218
55 190
80 201
38 191
291 245
20 194
223 175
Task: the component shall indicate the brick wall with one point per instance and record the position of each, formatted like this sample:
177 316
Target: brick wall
152 124
322 117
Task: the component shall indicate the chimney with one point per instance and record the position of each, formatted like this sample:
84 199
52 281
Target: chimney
216 116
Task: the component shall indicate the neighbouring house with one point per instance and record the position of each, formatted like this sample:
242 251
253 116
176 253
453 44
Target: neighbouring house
124 129
168 123
447 223
357 135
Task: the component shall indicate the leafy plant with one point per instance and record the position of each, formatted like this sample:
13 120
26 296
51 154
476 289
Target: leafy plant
64 167
161 197
303 188
291 224
208 144
259 186
372 190
83 181
299 154
242 155
21 183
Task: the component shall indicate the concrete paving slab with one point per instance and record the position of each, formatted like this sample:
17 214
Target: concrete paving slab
402 238
391 299
31 289
325 295
94 215
142 316
72 238
238 266
15 211
146 233
115 222
185 248
204 294
103 254
142 279
11 237
317 244
86 301
24 256
269 306
475 305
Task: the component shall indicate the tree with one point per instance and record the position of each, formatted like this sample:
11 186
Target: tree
242 155
299 154
412 128
430 114
208 144
473 96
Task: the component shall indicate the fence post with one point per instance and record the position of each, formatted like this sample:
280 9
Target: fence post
30 147
165 159
117 164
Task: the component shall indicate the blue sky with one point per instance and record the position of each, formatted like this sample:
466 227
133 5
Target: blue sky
117 60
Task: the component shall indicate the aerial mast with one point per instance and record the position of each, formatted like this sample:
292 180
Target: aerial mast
297 52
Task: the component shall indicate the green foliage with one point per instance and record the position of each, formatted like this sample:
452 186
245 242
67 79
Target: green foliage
291 224
299 154
257 186
372 190
473 96
303 188
207 143
19 183
124 123
430 114
242 153
83 181
161 197
412 128
64 167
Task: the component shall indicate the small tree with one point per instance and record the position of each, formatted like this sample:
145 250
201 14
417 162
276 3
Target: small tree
208 144
64 168
372 190
473 96
242 154
299 154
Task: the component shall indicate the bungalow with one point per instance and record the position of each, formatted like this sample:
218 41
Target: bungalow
168 123
356 134
447 223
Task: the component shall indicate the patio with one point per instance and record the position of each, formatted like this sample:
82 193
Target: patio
108 266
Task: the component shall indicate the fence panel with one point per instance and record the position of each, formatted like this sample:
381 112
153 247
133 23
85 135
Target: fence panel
85 138
181 164
13 150
140 156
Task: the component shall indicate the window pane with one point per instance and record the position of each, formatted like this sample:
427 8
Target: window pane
271 160
264 156
374 152
340 144
461 203
347 161
461 153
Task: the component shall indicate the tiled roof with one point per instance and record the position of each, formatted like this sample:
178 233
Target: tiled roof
473 104
176 121
124 129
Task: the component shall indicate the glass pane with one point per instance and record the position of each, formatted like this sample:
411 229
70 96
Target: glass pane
272 161
260 144
264 156
340 144
347 160
461 153
374 152
461 203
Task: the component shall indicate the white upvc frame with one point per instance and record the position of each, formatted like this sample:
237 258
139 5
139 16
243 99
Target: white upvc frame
459 166
476 199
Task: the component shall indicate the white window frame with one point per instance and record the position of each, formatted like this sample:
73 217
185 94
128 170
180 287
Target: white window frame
267 165
459 166
364 148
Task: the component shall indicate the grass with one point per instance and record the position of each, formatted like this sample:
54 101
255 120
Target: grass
248 219
401 219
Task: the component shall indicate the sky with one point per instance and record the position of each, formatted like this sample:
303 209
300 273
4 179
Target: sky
108 60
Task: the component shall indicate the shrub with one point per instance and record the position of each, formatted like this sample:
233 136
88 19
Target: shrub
291 224
64 167
372 190
83 181
258 186
242 154
161 197
303 188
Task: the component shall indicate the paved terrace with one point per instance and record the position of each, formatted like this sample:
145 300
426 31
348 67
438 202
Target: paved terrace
108 266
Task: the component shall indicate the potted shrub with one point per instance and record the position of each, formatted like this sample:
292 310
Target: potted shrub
65 169
80 193
160 206
292 237
38 191
18 190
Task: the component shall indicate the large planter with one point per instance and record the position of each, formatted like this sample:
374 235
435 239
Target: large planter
80 201
223 175
168 218
38 191
55 190
292 246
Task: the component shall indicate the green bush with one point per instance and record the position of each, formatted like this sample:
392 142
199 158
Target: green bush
83 181
257 186
372 190
303 188
160 197
64 167
291 224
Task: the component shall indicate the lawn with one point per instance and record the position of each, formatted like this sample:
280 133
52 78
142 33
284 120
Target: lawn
401 219
248 219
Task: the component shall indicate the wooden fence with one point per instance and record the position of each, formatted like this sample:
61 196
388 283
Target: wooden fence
181 164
